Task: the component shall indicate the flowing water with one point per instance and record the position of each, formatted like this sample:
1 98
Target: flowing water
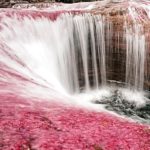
73 55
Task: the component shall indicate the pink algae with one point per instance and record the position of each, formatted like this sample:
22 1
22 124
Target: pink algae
34 14
53 126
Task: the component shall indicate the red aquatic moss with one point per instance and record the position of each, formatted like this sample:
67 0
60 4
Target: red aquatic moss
34 14
51 126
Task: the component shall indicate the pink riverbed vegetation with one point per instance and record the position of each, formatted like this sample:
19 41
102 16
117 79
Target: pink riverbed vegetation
32 122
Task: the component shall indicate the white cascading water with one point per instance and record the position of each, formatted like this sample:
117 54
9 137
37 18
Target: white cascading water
68 55
52 50
135 57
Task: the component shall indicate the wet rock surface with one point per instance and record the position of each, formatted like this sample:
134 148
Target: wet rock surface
122 106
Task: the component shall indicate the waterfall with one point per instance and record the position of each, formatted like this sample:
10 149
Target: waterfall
67 54
86 55
135 57
73 53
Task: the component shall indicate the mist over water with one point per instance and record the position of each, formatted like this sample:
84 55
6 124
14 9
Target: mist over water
66 58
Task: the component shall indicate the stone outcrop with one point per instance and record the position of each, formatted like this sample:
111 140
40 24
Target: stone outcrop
10 3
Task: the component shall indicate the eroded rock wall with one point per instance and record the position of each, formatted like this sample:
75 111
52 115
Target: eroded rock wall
125 15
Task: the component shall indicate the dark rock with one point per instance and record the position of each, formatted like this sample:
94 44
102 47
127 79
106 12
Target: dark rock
123 107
